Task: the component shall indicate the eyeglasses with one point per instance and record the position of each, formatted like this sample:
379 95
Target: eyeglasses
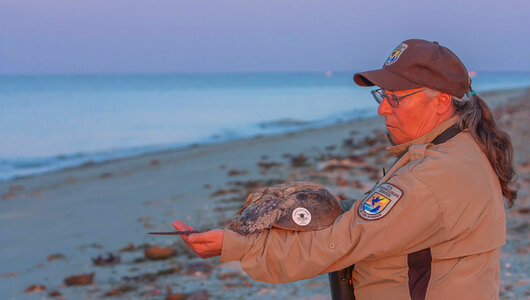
393 100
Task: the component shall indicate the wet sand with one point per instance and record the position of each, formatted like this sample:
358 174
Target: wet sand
95 219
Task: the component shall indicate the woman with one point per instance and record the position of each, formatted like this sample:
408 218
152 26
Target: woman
433 226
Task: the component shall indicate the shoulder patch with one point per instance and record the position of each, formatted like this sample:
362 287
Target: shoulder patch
380 202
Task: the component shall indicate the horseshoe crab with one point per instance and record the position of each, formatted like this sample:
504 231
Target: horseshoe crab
294 205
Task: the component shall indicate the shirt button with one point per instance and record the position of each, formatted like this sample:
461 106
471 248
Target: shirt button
331 245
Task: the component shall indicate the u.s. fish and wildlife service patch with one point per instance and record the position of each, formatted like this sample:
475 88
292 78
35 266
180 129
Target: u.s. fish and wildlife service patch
394 56
380 202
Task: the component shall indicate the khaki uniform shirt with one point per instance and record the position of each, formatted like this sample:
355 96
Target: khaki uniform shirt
437 234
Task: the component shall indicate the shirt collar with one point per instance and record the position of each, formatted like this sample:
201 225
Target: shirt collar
398 150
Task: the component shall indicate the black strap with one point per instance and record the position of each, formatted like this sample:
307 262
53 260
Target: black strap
419 264
341 285
341 281
447 134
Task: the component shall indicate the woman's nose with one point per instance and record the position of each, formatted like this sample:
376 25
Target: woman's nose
384 108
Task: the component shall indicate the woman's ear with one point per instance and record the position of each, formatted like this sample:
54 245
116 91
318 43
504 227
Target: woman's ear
444 104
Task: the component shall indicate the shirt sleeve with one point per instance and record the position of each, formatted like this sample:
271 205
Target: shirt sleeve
413 223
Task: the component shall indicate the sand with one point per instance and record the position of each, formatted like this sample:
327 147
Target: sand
53 225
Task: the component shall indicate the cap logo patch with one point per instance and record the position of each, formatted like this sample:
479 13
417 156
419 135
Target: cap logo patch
380 202
394 56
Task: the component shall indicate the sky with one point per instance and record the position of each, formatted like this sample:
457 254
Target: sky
170 36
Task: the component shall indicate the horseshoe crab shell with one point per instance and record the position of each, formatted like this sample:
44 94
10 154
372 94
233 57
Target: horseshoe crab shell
294 205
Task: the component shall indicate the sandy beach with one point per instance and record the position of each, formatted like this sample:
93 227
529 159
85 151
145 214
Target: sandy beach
95 218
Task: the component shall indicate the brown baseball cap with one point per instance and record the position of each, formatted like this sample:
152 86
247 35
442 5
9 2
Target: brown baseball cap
419 63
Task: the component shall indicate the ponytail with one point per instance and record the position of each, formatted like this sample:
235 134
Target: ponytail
476 116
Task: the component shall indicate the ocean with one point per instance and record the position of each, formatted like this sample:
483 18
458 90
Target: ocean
52 122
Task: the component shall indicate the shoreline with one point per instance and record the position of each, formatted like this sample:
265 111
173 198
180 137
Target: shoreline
206 144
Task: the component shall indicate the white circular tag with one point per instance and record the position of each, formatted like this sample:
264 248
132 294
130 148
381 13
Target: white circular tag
301 216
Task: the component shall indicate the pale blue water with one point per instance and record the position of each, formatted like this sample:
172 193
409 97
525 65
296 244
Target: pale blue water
53 122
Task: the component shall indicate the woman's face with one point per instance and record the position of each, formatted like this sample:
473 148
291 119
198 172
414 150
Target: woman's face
415 115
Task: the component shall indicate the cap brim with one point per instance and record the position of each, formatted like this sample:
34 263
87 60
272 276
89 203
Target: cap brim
384 79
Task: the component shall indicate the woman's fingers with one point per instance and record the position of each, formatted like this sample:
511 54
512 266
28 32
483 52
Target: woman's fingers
206 244
180 226
199 238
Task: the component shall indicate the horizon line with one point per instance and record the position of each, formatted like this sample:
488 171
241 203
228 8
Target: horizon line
218 73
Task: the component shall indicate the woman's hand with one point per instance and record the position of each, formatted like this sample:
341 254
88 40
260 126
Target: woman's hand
206 244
